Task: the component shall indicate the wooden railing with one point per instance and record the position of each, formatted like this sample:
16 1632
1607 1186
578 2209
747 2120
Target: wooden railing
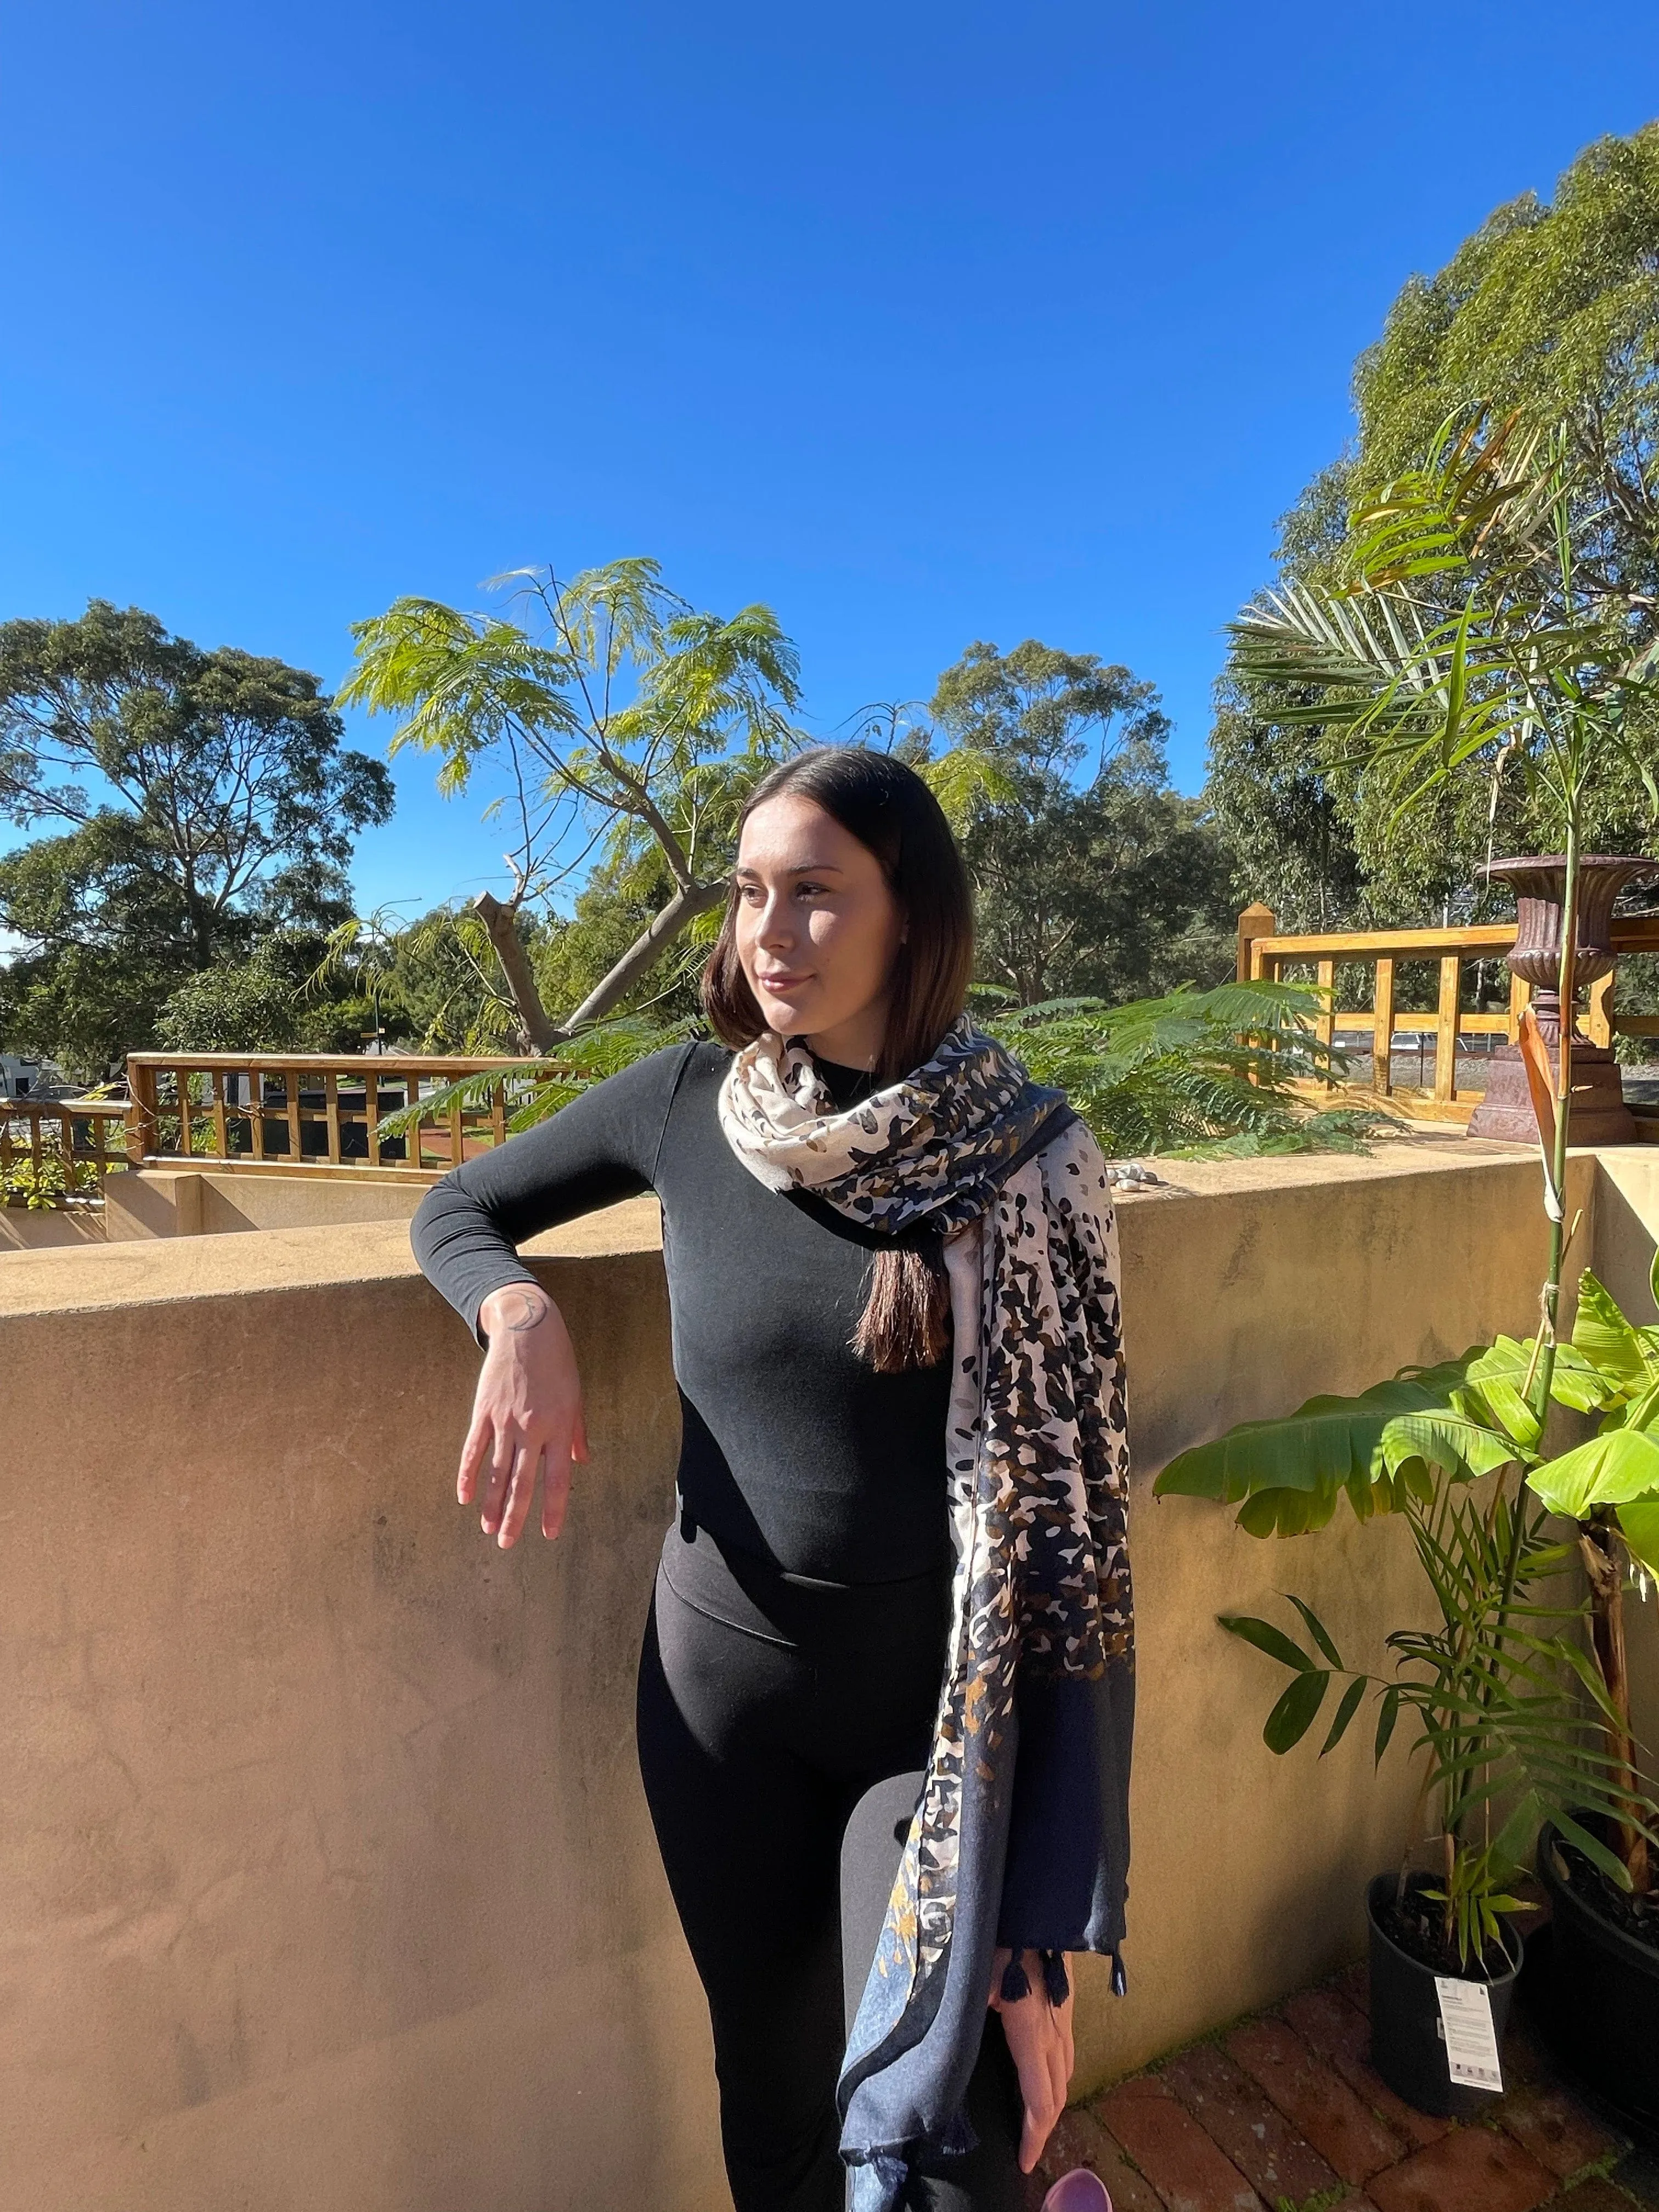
53 1139
1448 1023
308 1113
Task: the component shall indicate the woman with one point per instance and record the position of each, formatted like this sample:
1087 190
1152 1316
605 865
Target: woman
899 1549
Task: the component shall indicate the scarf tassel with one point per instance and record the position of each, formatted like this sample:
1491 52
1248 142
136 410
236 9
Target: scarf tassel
1016 1983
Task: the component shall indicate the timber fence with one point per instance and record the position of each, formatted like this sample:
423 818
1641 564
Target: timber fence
1366 965
59 1151
314 1113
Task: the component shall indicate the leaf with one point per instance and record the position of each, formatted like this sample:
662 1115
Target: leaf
1513 1839
1618 1468
1589 1674
1328 1444
1495 1401
1386 1718
1614 1347
1512 1363
1266 1637
1640 1412
1345 1713
1593 1848
1578 1383
1458 1446
1316 1630
1639 1526
1294 1714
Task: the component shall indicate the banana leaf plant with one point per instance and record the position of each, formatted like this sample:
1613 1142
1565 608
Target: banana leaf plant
1515 1722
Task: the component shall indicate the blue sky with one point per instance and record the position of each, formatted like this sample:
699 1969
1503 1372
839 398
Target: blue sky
922 323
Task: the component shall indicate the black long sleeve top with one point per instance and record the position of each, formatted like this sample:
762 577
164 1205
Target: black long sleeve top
792 1447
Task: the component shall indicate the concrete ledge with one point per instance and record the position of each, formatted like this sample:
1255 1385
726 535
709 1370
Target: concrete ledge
205 1202
162 1270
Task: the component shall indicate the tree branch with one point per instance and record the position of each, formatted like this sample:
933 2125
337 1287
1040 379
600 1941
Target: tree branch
501 922
687 903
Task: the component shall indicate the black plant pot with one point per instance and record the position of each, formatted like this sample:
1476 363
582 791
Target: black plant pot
1408 2049
1603 2016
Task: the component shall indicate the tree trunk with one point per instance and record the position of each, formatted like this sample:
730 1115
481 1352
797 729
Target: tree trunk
501 922
645 951
1604 1571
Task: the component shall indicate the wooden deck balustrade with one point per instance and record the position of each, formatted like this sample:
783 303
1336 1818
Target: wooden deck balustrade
79 1132
311 1113
1263 952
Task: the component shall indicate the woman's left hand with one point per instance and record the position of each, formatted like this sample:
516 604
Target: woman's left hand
1039 2036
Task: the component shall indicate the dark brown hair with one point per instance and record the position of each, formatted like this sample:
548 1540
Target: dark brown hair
891 813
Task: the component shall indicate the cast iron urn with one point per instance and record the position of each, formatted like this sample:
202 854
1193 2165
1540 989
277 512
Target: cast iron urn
1597 1112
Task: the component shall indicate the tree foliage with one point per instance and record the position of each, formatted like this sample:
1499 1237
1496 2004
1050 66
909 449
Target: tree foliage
614 718
205 798
1549 309
1092 876
270 1001
230 763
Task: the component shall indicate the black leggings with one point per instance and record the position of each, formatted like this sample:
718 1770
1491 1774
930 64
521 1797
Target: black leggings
767 1707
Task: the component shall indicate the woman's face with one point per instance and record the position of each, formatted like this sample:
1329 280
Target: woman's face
816 928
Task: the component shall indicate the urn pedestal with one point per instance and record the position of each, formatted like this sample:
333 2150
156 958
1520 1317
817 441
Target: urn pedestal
1597 1114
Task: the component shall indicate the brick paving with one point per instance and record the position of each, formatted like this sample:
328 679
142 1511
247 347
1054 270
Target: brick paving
1282 2113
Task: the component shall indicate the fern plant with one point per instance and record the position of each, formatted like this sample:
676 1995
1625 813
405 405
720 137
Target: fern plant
1192 1072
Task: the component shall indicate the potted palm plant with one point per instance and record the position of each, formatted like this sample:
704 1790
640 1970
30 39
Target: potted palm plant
1510 1718
1473 631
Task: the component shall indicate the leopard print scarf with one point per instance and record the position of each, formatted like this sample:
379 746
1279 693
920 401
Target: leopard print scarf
1021 1834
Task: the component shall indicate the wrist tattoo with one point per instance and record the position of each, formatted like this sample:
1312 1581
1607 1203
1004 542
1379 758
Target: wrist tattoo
524 1310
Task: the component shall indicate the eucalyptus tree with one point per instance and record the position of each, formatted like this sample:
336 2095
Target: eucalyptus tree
197 800
228 765
618 722
1091 874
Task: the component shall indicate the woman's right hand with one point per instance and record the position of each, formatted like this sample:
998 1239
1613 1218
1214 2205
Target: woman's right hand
527 1414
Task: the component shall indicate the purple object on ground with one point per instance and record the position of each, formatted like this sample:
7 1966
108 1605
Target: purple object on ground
1079 2191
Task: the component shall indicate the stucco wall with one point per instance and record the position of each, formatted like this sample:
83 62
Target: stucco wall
25 1230
325 1877
205 1202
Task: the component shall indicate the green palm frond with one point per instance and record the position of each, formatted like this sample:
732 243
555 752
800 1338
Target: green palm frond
1505 1703
1465 627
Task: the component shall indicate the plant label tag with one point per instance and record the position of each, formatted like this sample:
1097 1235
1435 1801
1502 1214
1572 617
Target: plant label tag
1470 2039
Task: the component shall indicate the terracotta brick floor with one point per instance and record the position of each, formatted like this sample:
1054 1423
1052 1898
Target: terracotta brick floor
1282 2113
